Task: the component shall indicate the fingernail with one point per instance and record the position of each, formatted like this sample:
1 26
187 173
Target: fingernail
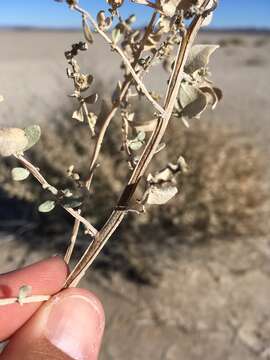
75 326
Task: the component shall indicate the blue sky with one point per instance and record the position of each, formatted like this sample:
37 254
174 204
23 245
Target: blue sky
48 13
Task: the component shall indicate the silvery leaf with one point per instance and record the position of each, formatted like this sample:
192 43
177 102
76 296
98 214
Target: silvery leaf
199 57
47 206
19 174
192 100
12 141
33 134
24 291
141 135
159 195
78 114
135 145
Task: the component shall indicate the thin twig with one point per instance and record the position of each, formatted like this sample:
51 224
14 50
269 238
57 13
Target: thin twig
73 238
123 93
26 300
40 178
123 56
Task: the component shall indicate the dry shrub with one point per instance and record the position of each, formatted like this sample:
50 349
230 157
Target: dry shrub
232 41
223 194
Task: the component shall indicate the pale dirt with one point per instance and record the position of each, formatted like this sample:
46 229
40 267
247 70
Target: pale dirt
214 302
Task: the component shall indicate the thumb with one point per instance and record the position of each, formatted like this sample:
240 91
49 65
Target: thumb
68 326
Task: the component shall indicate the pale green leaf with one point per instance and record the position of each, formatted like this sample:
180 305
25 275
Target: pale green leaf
24 292
33 134
135 145
47 206
19 174
141 136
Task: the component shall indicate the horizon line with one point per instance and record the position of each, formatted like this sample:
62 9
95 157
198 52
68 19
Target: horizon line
76 28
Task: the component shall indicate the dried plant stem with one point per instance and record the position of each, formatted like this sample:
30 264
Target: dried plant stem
162 122
36 173
105 125
73 239
123 93
27 300
123 56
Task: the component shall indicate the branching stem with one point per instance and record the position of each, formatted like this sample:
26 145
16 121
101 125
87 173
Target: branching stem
123 56
162 122
40 178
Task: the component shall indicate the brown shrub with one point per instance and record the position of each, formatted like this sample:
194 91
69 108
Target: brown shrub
223 195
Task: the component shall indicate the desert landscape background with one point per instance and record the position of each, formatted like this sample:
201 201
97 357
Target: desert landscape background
212 299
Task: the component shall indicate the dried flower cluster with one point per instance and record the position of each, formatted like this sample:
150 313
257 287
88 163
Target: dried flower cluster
167 40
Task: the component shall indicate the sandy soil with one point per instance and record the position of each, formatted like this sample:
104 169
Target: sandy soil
214 302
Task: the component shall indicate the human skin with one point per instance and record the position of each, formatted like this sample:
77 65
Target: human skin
68 326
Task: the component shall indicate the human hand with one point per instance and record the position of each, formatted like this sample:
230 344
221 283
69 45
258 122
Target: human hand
68 326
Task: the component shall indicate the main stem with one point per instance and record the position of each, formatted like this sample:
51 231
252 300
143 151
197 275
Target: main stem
99 141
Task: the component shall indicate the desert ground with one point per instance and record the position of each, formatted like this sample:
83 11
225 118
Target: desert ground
214 301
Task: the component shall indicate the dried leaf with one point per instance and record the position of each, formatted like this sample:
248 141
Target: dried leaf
208 20
159 195
92 99
12 141
212 98
33 134
199 57
92 120
47 206
169 7
87 31
78 114
104 22
116 35
146 126
19 174
116 93
131 19
181 162
218 93
192 100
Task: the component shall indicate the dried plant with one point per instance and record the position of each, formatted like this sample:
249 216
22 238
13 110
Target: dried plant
168 39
